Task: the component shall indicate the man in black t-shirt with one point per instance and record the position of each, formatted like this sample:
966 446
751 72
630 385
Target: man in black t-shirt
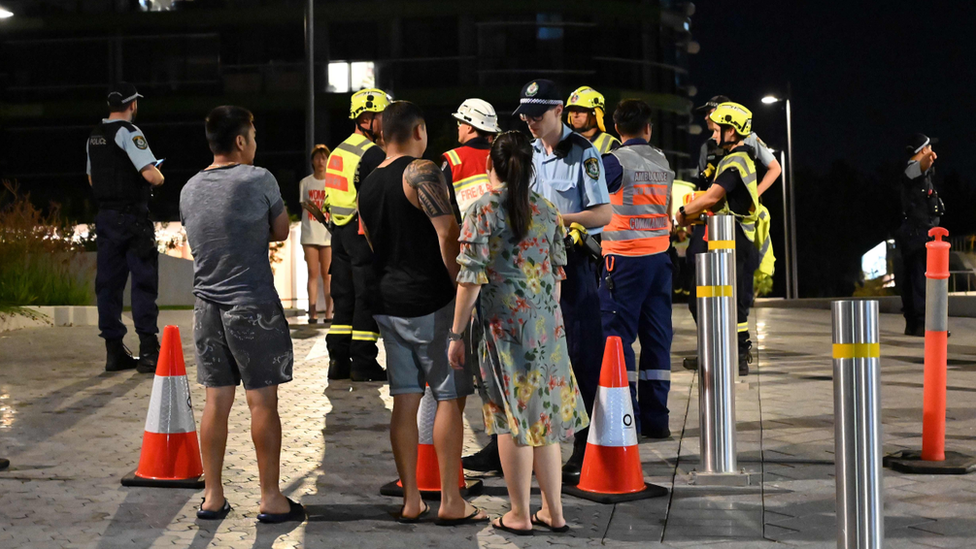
406 212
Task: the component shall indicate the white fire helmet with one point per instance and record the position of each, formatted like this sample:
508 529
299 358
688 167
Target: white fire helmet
479 113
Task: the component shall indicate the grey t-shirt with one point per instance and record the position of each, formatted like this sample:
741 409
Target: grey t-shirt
227 214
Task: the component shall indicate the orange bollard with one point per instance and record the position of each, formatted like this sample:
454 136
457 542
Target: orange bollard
936 345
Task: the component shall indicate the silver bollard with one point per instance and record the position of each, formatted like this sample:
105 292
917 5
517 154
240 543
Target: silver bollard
857 425
718 360
721 239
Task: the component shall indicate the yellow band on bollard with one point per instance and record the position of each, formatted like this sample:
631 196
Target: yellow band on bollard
721 244
715 291
857 350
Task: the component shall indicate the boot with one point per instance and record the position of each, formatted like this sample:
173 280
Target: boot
656 434
745 357
573 466
690 363
148 353
372 372
118 358
338 369
485 460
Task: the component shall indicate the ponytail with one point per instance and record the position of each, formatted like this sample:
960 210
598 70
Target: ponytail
511 156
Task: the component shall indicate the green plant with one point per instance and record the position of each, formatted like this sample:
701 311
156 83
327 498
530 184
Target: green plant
36 254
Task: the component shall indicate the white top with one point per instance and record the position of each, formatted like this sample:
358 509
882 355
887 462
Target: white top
313 232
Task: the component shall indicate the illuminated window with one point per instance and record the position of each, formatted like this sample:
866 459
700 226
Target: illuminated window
349 77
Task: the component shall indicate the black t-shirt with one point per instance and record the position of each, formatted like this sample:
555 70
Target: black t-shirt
410 277
372 158
736 193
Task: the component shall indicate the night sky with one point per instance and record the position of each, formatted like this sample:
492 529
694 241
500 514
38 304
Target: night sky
863 77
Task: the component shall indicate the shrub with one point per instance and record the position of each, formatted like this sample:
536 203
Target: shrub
36 253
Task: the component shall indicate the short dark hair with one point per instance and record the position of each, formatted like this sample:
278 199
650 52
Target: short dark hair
399 120
631 116
223 126
320 149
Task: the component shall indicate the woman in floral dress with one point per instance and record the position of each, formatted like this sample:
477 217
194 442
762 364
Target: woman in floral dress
512 253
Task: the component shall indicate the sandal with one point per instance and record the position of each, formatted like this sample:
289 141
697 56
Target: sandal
219 514
403 519
539 522
296 513
517 531
470 519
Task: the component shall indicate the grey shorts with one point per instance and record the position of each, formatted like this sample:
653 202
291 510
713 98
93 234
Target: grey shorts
416 355
248 343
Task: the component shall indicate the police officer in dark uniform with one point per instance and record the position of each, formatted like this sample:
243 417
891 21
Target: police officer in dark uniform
121 171
921 210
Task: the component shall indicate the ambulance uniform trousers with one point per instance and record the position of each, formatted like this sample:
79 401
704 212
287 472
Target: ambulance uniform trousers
126 245
579 301
635 300
353 334
746 263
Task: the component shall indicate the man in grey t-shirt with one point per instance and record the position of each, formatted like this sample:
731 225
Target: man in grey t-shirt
231 211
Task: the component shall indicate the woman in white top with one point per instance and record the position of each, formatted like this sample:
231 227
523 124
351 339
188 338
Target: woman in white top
316 240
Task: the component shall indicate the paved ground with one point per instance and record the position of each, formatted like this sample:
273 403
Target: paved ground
72 431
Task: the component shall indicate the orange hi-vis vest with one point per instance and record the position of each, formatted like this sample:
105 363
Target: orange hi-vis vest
468 175
640 224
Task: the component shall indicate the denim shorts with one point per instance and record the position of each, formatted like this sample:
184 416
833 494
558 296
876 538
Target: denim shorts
236 343
416 355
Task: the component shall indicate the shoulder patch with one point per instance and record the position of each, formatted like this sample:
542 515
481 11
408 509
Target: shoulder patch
140 142
592 168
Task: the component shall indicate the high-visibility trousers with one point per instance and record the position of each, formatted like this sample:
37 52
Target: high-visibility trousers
635 303
353 334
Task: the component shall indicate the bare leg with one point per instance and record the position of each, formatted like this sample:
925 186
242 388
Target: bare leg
266 434
403 438
312 262
448 439
517 466
325 260
213 439
547 462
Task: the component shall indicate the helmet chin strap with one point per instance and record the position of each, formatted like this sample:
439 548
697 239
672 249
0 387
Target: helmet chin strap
368 133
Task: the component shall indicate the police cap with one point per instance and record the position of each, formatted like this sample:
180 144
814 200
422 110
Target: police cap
537 97
918 142
122 94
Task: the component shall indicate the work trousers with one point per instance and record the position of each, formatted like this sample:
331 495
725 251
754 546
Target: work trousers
353 334
126 245
913 287
579 302
746 263
635 302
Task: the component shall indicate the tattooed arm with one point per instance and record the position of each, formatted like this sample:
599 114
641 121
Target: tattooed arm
425 188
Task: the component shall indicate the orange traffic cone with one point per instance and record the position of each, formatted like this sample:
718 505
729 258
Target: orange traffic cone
170 451
428 469
611 465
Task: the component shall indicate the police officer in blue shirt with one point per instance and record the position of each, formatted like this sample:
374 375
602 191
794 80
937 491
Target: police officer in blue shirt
121 171
569 172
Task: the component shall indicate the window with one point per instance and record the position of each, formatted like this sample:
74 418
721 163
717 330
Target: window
349 77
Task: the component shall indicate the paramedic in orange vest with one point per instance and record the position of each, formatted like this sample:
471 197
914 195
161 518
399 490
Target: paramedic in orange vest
464 167
635 291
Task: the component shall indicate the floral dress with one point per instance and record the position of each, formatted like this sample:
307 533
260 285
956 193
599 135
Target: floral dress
529 389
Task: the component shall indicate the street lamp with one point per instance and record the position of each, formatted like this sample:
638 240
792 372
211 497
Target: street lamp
5 14
792 283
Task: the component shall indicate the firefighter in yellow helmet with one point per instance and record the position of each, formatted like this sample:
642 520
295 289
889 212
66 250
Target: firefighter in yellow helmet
733 191
352 337
585 111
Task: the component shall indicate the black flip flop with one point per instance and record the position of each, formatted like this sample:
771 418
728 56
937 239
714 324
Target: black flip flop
470 519
517 531
413 520
219 514
296 513
539 522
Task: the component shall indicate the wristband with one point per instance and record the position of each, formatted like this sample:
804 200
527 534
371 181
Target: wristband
453 336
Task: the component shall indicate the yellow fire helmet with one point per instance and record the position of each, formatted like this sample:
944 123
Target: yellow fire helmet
586 97
368 100
735 115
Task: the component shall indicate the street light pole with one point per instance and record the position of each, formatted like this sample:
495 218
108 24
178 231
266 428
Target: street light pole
786 231
789 145
310 77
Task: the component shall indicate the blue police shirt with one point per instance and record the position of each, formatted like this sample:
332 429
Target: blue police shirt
572 177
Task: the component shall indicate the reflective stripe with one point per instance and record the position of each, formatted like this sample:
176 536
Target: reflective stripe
655 375
715 291
721 244
364 336
470 181
613 236
340 177
612 423
453 157
632 376
336 210
742 327
169 406
356 149
340 329
857 350
639 210
747 172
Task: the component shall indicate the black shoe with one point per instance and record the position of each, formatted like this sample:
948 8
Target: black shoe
373 372
690 363
485 460
148 353
915 331
118 358
339 369
573 465
743 366
656 434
